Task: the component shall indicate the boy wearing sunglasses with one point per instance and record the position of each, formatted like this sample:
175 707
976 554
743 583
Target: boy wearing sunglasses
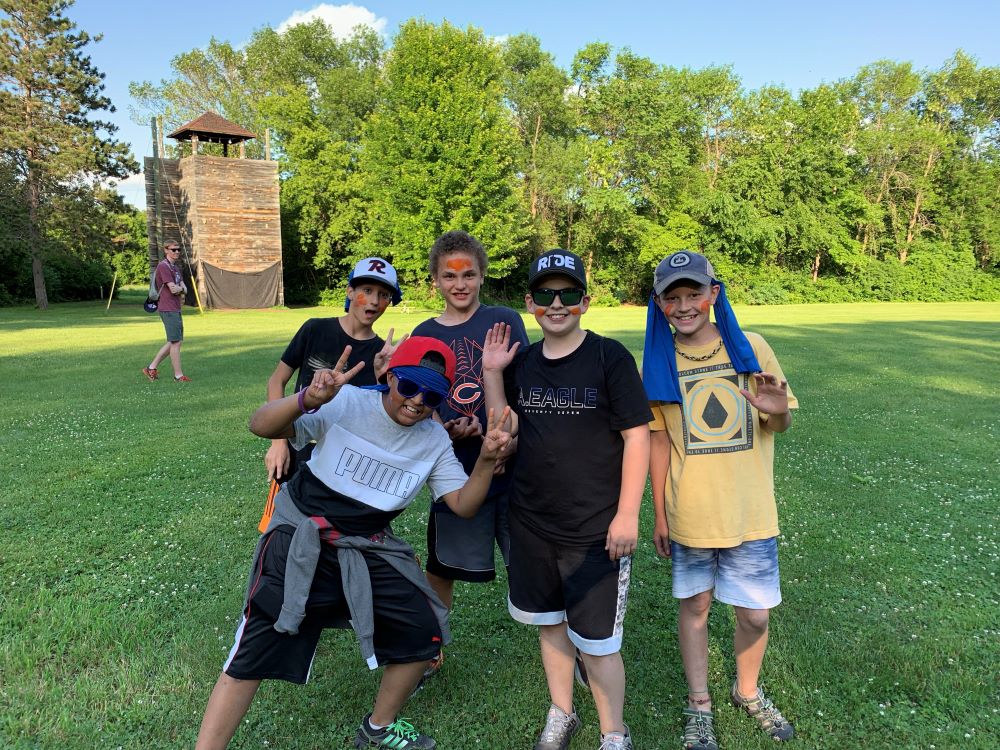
328 554
581 418
460 549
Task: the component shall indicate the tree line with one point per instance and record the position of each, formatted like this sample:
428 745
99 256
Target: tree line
882 186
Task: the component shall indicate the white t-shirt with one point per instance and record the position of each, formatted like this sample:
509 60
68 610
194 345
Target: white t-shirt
363 454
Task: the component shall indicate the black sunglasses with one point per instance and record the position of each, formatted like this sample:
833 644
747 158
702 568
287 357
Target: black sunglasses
546 297
408 389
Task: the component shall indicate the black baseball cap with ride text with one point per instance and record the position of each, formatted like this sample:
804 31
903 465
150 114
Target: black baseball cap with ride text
558 262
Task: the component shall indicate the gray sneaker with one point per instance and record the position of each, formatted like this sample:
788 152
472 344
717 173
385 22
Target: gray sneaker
559 729
616 740
766 713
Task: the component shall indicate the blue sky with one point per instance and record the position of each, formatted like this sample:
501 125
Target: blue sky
796 44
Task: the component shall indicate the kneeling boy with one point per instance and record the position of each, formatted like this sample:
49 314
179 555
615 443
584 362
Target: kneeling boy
329 538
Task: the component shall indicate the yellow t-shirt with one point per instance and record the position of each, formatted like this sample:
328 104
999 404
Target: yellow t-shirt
720 487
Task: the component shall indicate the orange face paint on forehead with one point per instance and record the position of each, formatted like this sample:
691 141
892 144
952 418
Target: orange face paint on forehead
458 264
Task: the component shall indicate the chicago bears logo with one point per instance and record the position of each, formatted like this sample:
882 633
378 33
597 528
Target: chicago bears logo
466 393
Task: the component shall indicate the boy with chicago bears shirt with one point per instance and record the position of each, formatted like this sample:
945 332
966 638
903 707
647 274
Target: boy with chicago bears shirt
461 549
582 425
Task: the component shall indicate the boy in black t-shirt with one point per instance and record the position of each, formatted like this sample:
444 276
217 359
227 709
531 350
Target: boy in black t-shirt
582 424
371 287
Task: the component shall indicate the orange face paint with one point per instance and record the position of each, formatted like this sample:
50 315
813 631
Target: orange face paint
458 264
360 298
540 311
704 305
574 311
668 309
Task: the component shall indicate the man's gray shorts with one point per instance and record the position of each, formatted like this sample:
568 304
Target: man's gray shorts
174 325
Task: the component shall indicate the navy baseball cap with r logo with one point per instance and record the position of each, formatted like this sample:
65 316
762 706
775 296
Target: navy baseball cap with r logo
685 265
375 269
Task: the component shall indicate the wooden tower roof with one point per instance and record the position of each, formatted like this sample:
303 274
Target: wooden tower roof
212 128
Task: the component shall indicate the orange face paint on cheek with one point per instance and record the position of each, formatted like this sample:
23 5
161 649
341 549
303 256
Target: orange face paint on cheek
458 264
539 311
668 309
361 299
704 305
574 311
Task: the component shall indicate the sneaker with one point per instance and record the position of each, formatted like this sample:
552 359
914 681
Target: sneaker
559 729
616 740
400 735
150 372
580 671
766 713
182 379
699 734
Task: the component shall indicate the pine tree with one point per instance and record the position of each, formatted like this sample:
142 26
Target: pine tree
48 91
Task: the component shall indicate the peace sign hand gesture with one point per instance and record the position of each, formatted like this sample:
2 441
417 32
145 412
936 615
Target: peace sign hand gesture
381 360
326 384
497 436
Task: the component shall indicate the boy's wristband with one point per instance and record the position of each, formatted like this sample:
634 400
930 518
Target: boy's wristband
302 403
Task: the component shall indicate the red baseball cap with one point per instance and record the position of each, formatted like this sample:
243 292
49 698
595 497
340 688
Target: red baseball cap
412 352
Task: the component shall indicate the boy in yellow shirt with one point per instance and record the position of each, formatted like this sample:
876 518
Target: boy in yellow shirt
718 397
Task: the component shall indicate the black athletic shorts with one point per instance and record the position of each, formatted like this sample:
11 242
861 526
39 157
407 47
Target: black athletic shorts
406 629
461 549
551 583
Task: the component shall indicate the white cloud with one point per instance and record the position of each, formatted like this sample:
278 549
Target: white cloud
340 18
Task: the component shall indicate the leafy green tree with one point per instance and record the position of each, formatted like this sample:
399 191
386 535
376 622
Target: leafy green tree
49 90
438 151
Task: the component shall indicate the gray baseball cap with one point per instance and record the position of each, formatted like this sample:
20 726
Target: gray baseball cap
686 265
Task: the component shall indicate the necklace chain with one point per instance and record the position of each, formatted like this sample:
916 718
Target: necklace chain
701 357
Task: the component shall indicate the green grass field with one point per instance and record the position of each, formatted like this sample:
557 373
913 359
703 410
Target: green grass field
130 512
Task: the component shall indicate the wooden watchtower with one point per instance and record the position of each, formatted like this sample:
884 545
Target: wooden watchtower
223 211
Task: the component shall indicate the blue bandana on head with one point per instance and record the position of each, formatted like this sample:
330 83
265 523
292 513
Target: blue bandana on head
659 360
423 376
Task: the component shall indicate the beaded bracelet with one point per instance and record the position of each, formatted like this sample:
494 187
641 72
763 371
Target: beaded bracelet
302 403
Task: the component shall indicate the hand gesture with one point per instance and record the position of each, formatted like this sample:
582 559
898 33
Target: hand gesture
277 460
772 394
661 537
327 383
497 351
381 360
622 536
497 435
463 427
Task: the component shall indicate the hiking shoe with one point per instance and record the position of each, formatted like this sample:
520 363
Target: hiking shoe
767 715
150 372
182 379
400 735
699 734
616 740
559 729
580 671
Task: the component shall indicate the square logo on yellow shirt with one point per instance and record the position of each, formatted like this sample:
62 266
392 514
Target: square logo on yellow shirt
716 417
